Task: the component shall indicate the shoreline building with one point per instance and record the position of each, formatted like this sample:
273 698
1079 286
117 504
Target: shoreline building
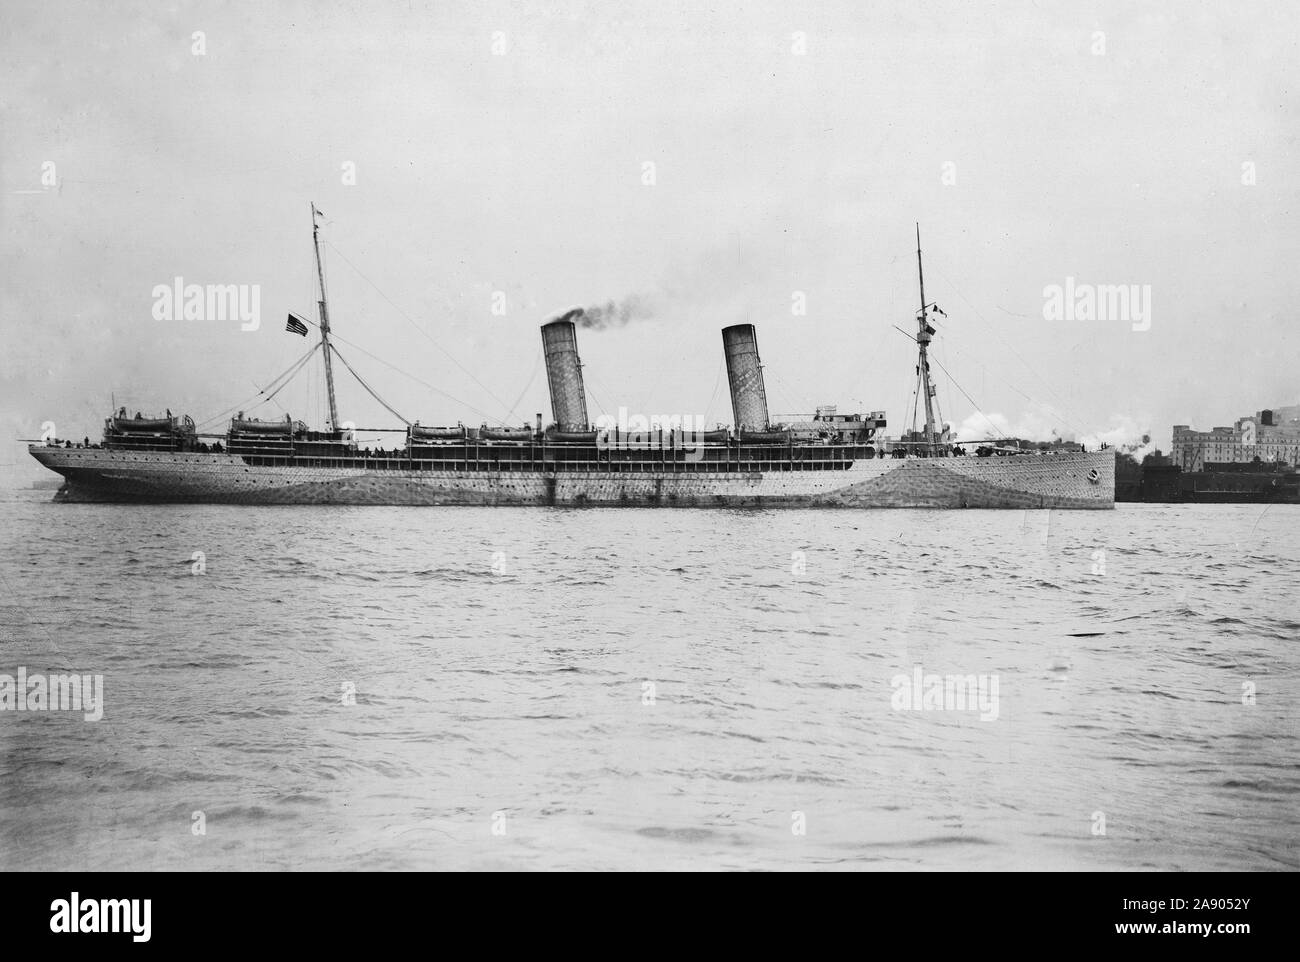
1271 435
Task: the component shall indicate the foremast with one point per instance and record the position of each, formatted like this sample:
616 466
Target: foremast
924 332
325 319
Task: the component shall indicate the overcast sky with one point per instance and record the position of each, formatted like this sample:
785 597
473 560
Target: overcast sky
793 147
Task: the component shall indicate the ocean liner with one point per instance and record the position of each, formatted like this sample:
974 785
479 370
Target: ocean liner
827 459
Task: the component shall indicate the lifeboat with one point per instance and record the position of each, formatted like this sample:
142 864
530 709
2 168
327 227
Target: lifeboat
419 433
143 425
661 438
505 434
257 426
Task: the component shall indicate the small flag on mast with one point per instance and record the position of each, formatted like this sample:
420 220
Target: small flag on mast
296 325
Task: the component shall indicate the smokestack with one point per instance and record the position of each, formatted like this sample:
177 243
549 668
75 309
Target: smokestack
564 372
745 375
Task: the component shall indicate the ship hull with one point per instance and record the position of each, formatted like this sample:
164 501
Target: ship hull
1067 481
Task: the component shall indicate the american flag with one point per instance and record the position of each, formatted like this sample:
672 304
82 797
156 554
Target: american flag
296 325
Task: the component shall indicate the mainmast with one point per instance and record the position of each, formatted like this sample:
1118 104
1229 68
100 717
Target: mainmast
325 319
923 334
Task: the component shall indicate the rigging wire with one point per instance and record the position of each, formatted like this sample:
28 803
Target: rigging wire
722 363
938 408
798 400
273 401
995 428
984 370
413 323
339 337
373 393
419 380
1062 413
916 398
591 395
537 364
1049 408
976 407
290 372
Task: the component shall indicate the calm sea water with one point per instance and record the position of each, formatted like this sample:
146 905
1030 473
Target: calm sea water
651 689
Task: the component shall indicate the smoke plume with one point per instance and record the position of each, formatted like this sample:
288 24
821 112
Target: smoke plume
1124 433
613 313
729 280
